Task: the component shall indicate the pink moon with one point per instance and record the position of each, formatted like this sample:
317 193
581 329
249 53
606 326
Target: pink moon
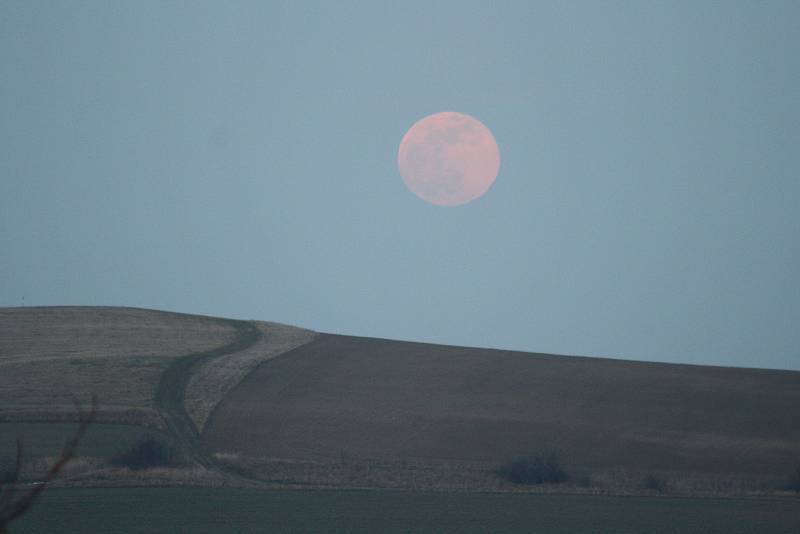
448 158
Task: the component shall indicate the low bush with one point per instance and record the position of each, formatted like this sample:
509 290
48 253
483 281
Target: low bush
146 454
794 481
654 483
536 470
8 470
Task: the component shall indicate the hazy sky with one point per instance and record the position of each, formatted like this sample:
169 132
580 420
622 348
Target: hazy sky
239 159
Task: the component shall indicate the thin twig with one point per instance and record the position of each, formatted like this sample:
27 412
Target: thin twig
7 491
10 509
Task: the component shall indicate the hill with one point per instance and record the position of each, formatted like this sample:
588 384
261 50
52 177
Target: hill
249 402
50 355
154 373
378 412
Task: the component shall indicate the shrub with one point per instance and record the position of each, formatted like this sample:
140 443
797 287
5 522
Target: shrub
148 453
8 470
536 470
794 481
654 483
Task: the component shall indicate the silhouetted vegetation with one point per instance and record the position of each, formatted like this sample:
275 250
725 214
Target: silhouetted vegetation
794 481
536 470
15 503
147 453
654 483
8 470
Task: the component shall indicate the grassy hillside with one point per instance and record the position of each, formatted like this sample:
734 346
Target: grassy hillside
48 356
155 374
376 412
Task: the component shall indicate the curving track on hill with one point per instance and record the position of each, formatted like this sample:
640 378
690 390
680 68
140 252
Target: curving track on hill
172 387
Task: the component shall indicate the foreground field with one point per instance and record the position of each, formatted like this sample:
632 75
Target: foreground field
204 510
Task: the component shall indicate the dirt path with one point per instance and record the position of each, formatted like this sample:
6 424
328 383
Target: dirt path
172 386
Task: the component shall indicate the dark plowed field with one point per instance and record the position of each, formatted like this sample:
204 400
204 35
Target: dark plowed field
341 398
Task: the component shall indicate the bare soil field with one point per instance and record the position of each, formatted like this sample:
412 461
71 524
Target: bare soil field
377 413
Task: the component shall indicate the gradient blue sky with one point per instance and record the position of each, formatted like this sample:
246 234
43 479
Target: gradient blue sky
238 159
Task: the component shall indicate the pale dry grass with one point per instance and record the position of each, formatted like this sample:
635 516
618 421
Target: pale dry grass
50 355
162 476
147 417
226 456
449 475
37 468
107 332
94 471
211 382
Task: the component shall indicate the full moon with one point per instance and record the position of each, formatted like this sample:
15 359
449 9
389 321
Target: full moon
448 158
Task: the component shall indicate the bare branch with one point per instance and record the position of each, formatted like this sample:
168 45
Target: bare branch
11 509
7 492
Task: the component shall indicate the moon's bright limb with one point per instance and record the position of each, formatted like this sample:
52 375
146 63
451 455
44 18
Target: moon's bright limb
448 158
